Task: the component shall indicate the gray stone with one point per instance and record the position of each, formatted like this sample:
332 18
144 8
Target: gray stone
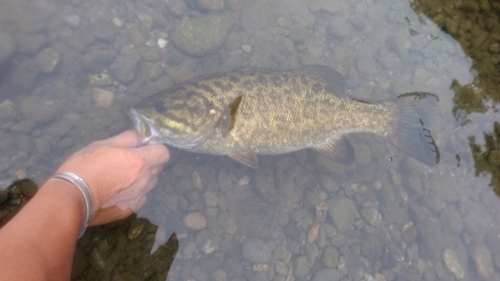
327 275
40 109
371 216
72 20
125 65
7 46
372 246
210 5
302 267
339 27
342 211
451 220
482 260
96 61
47 60
149 54
430 232
31 44
25 76
201 35
256 251
330 257
298 33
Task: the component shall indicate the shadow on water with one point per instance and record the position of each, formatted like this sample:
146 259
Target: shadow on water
475 26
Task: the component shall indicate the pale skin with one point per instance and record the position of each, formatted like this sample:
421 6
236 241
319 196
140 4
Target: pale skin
39 242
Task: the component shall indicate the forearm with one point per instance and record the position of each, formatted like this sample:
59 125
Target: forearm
39 242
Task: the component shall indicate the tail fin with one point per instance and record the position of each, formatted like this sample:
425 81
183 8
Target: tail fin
415 112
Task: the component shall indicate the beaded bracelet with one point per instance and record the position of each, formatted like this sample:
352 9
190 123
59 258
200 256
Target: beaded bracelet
84 189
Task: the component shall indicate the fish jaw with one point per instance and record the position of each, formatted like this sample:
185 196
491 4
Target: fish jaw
144 127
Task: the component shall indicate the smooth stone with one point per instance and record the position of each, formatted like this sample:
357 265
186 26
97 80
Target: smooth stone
96 61
371 216
7 46
25 76
201 35
372 246
103 98
451 220
452 264
339 27
430 232
328 274
302 267
210 5
482 261
195 221
72 20
149 54
40 109
330 257
125 65
47 60
256 251
342 211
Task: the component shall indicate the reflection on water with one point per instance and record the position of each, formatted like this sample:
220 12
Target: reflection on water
70 71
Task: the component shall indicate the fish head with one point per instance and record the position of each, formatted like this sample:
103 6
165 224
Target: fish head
182 121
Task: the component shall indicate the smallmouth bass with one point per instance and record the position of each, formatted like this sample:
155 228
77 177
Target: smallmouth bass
245 113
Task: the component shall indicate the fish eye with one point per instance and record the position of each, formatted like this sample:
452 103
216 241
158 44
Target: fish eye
160 106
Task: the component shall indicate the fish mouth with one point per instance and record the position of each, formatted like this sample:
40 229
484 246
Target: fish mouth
144 126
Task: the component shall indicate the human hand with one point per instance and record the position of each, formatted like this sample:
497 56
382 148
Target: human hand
118 173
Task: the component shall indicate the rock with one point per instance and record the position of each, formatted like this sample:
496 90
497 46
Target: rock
211 199
100 80
210 5
135 35
201 35
330 257
47 60
372 246
329 274
482 260
136 227
362 153
24 127
256 251
31 44
24 76
96 61
149 54
339 27
452 264
125 65
430 232
7 46
7 110
298 33
40 109
451 220
302 267
342 211
330 168
195 221
103 98
371 216
72 20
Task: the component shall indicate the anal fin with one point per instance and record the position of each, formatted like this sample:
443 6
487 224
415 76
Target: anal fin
339 150
246 158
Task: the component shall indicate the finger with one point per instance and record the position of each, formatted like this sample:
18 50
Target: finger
128 138
155 154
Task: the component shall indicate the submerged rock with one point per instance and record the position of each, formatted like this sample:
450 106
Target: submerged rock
256 251
125 65
47 60
201 35
342 211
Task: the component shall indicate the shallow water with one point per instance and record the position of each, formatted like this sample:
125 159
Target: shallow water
69 83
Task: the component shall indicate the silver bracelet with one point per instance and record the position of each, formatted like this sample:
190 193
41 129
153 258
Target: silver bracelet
84 189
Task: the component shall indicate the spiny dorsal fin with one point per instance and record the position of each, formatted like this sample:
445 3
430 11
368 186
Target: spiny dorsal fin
326 74
339 150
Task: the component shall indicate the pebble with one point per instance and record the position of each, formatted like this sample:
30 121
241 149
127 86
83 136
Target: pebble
246 48
260 267
196 179
371 216
162 43
103 98
313 233
372 246
211 199
482 260
302 267
72 20
210 5
256 251
244 181
339 27
342 211
117 22
321 212
195 221
329 274
330 257
125 65
452 263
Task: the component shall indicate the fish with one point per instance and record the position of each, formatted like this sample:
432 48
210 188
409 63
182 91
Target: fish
247 113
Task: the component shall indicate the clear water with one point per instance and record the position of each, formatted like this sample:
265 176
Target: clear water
262 224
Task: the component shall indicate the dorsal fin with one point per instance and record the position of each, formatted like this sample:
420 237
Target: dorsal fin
332 77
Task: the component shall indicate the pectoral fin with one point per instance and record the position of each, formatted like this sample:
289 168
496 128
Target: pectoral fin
339 150
228 117
245 158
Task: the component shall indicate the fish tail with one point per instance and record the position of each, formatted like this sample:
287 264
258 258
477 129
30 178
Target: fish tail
415 112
